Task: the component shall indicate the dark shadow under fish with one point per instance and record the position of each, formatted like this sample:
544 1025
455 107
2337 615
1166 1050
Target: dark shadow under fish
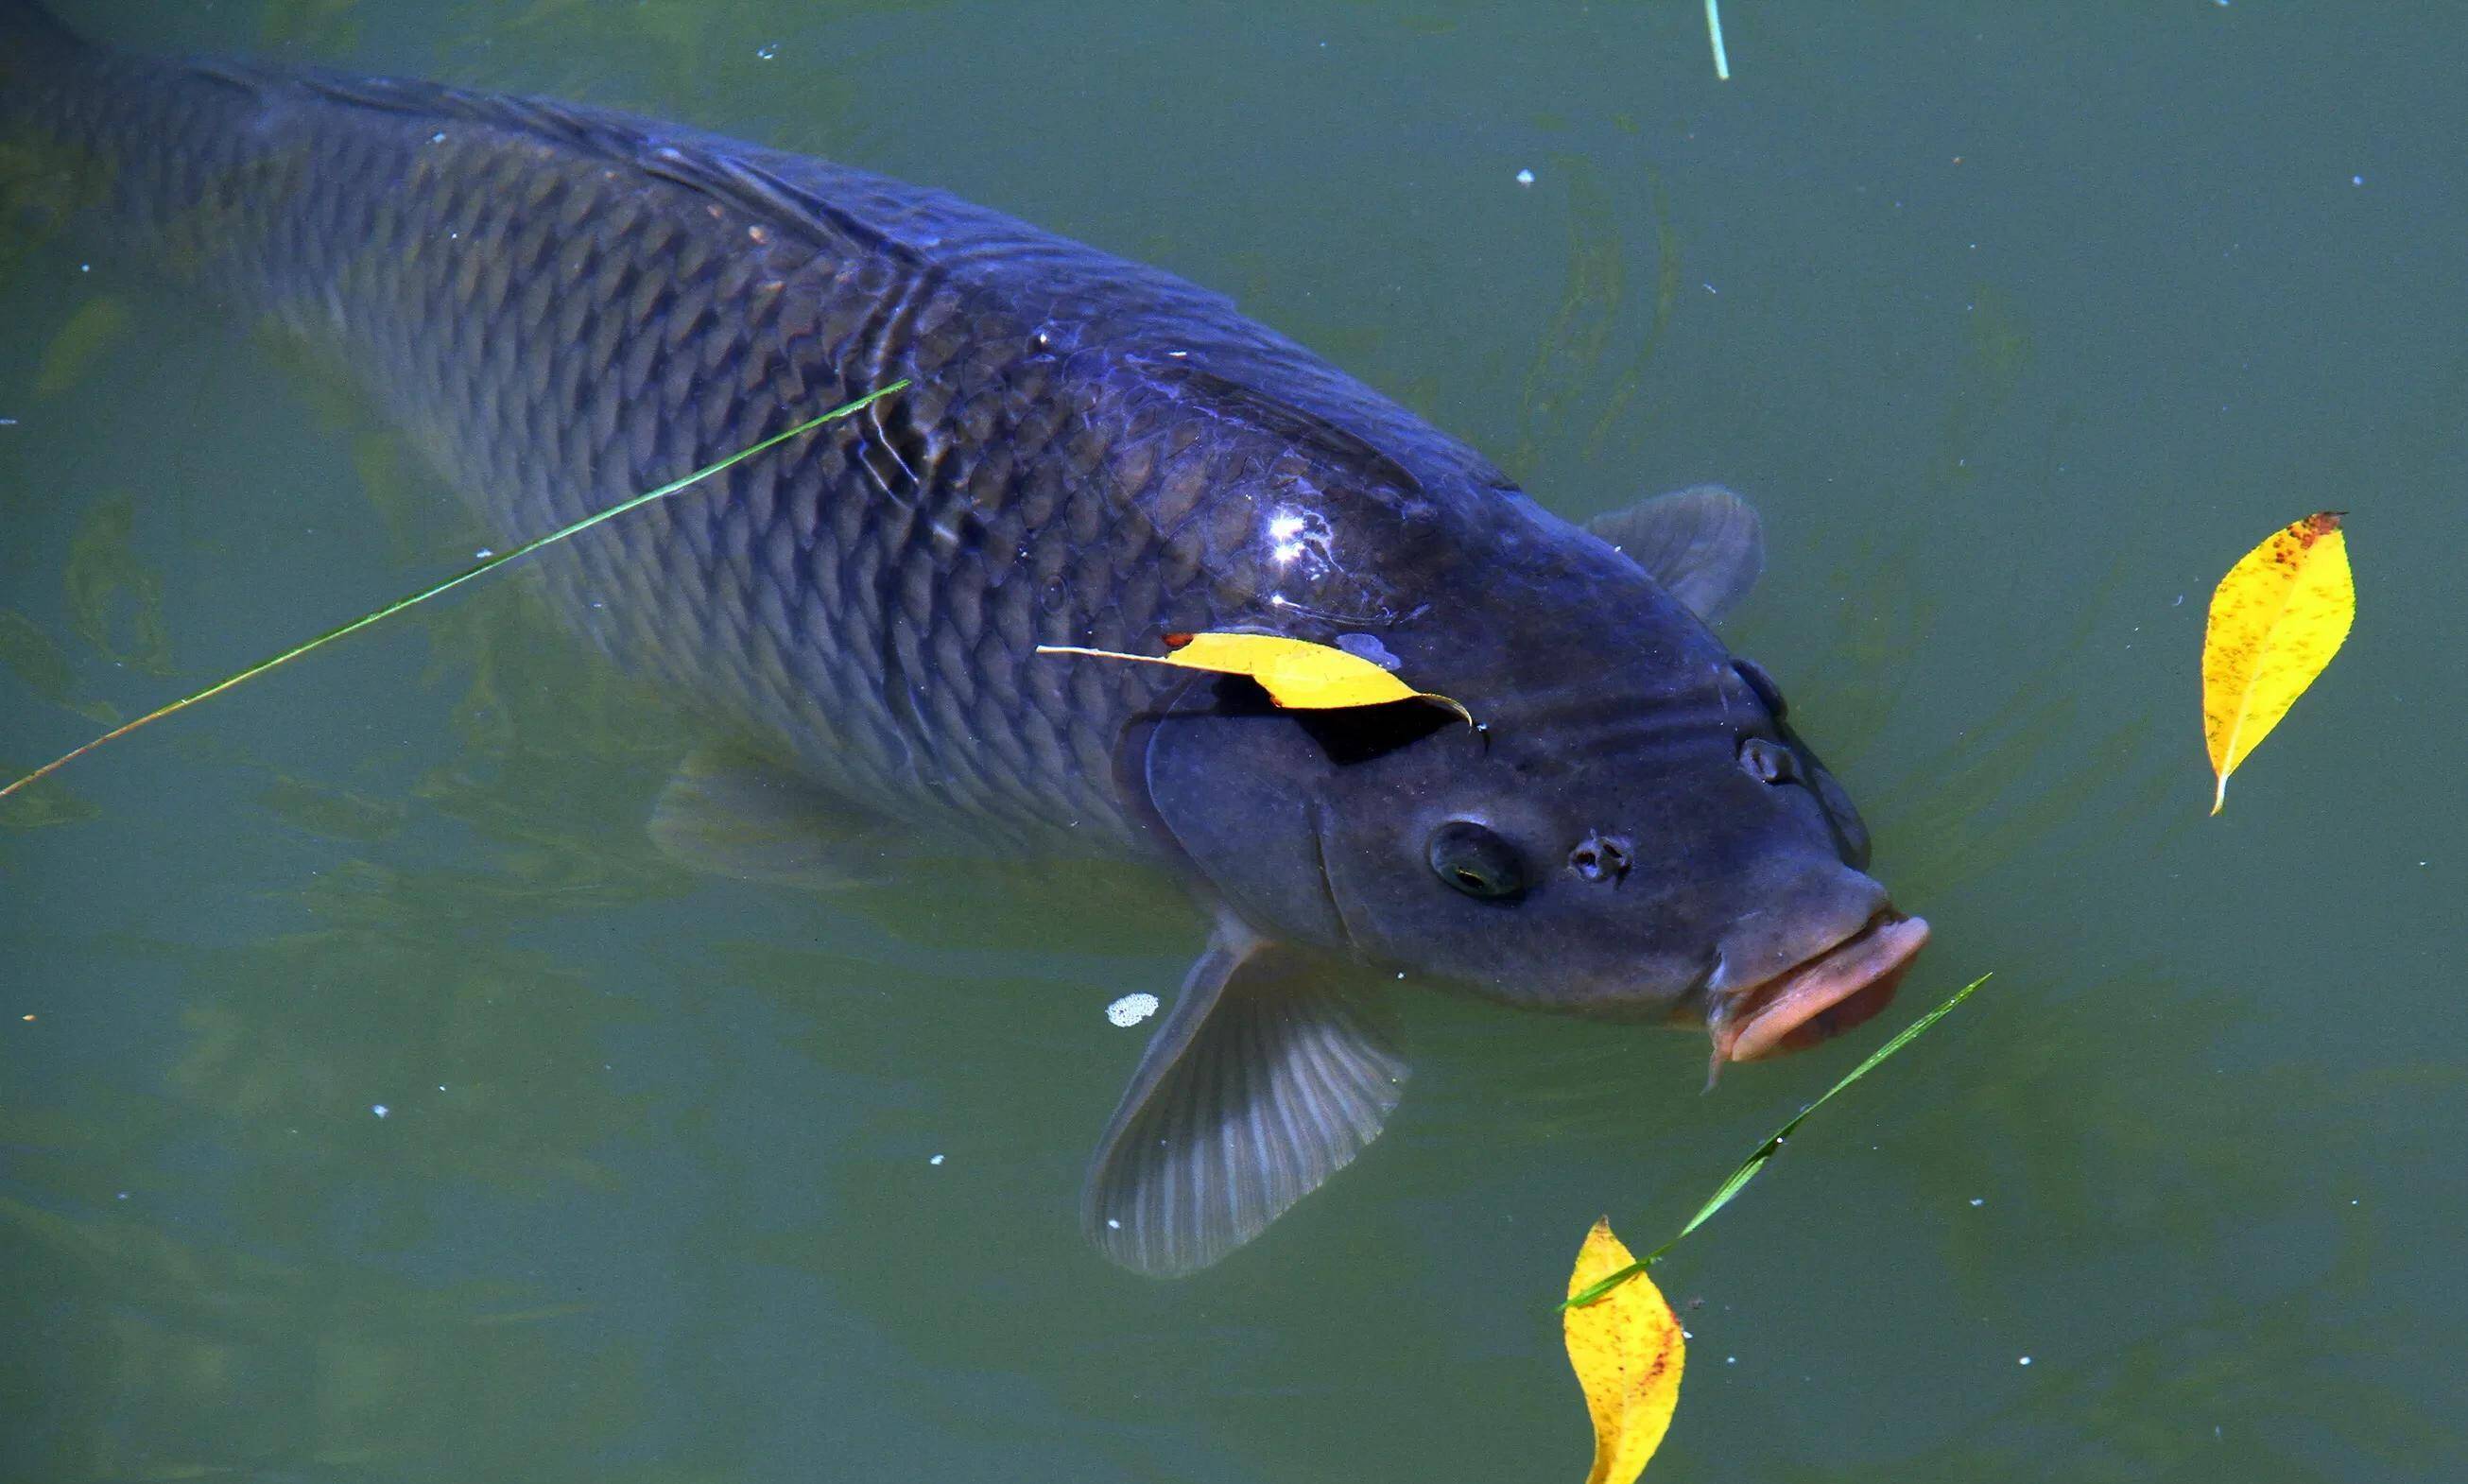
565 306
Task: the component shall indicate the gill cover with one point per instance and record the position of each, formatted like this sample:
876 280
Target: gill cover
1236 783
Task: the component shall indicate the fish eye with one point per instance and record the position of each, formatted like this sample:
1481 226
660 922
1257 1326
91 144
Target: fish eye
1475 861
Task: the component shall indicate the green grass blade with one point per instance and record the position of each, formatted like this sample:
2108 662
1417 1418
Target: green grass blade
1748 1171
1714 34
457 581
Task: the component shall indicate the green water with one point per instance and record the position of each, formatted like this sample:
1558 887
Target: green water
2021 323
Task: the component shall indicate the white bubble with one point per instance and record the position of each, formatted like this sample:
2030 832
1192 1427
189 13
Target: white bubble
1525 177
1131 1009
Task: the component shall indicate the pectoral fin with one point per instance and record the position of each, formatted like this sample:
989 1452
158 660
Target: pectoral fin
1703 544
1263 1081
734 814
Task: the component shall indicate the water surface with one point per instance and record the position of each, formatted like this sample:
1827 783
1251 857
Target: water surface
374 1103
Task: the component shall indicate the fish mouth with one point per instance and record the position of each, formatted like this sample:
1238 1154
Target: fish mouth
1819 996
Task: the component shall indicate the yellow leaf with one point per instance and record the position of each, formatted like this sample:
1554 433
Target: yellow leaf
1296 673
2276 619
1628 1353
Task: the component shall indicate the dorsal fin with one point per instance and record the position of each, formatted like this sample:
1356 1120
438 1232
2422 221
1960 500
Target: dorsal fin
1703 544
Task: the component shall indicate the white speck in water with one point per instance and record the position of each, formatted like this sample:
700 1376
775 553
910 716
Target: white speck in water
484 553
1730 1359
936 1160
1979 1200
85 267
1131 1009
380 1108
2024 1360
767 50
437 138
121 1195
1525 177
1711 289
2356 180
1113 1226
8 421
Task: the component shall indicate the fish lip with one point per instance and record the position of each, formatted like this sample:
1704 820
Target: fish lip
1820 996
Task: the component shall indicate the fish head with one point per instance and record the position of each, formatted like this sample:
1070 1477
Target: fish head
1640 835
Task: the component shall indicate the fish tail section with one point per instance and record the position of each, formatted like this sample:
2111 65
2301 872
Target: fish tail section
43 178
134 157
31 33
33 47
39 56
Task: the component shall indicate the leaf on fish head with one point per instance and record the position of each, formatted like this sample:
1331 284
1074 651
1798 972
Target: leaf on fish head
1296 674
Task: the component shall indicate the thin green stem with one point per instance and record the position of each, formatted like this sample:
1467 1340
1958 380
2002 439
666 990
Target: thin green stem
456 580
1771 1146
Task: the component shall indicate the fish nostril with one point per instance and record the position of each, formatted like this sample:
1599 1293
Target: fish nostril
1768 763
1601 857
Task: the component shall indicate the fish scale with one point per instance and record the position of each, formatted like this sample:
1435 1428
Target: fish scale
565 307
562 310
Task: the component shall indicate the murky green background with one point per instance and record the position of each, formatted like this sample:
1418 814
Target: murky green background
2020 322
